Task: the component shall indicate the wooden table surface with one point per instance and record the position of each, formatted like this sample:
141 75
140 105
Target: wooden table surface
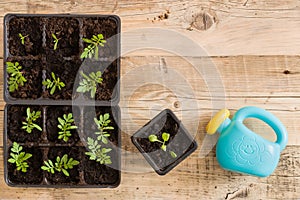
253 47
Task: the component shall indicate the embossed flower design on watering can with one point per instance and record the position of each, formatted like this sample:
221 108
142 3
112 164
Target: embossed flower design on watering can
249 151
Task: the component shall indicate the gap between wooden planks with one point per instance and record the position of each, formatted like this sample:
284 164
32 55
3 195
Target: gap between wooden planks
221 27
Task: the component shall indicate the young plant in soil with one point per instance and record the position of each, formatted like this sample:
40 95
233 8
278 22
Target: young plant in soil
95 151
89 83
93 50
165 137
103 126
22 38
61 165
16 78
65 125
53 84
29 125
55 40
19 157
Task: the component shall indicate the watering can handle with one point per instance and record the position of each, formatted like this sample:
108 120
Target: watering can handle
267 117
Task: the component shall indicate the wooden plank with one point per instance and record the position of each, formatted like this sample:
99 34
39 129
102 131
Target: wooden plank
221 27
194 178
217 76
195 118
205 78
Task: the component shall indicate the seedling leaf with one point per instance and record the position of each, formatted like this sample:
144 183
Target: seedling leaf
53 83
19 158
65 125
61 165
165 136
93 50
173 154
29 124
89 83
16 77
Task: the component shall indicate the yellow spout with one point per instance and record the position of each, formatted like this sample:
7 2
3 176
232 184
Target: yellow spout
216 121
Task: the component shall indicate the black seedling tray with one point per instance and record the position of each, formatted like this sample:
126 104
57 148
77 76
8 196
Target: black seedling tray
181 142
38 58
43 146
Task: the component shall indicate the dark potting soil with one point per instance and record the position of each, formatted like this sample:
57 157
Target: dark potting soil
97 174
178 142
90 126
52 114
58 177
31 26
34 174
17 115
66 71
108 28
67 31
105 90
32 71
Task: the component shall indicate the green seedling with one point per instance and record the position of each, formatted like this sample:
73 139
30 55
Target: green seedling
93 50
53 84
22 38
165 137
29 125
89 83
61 165
19 157
97 153
102 126
16 78
55 40
65 125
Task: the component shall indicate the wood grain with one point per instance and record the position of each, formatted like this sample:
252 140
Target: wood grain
207 78
221 27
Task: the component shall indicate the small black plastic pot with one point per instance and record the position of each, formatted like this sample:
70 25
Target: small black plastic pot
180 142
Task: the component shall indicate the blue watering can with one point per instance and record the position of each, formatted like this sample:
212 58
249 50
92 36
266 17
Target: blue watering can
241 150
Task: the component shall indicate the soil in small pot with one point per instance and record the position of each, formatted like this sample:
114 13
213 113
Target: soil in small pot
67 32
90 126
15 116
58 177
66 71
105 90
108 28
31 26
178 142
34 174
52 114
32 88
99 174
